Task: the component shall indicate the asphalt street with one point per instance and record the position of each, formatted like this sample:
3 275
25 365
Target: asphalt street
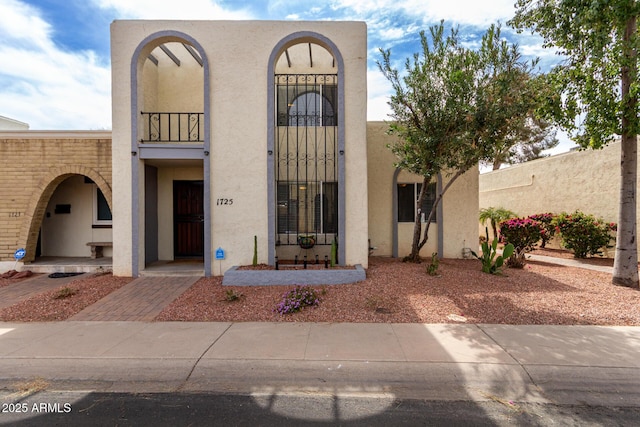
293 409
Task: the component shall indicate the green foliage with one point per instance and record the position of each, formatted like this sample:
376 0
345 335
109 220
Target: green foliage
255 250
495 216
297 299
584 234
453 106
231 295
491 261
432 268
595 91
523 234
538 135
65 292
592 37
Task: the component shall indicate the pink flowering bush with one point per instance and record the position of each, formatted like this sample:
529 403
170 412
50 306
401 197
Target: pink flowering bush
584 234
548 228
523 234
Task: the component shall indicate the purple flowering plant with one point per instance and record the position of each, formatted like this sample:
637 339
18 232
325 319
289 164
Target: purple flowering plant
298 298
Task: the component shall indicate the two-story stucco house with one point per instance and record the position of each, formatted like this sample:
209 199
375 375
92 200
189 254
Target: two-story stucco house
226 134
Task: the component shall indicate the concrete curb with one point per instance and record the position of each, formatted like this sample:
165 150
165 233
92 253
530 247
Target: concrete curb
235 277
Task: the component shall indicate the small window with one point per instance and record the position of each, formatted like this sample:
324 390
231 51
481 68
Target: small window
408 198
101 211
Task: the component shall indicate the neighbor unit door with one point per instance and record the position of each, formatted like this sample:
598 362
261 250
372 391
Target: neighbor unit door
188 219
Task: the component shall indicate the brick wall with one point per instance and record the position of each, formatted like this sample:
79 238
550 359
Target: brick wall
32 165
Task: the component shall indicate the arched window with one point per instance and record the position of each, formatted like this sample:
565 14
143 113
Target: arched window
311 109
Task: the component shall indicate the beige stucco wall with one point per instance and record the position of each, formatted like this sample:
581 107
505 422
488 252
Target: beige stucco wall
460 204
33 164
586 180
238 53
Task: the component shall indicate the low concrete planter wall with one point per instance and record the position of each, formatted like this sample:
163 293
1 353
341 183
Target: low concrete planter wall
235 277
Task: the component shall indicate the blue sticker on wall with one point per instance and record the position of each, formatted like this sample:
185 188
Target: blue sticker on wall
19 254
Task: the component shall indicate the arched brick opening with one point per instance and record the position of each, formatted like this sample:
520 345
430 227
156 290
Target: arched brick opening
35 211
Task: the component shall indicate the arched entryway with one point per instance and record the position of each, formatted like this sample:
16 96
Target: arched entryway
306 147
170 207
71 208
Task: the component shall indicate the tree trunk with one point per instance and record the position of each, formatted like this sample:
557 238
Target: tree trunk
494 227
625 267
414 256
417 229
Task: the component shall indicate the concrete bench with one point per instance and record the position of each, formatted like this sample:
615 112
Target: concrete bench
96 248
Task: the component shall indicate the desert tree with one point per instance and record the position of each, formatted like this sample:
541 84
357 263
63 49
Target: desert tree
596 92
451 106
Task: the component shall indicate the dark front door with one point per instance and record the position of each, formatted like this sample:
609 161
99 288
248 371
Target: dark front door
188 219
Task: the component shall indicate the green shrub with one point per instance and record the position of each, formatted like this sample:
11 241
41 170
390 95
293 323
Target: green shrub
65 292
584 234
523 234
231 295
432 268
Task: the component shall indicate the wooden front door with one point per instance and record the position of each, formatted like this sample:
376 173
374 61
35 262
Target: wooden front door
188 219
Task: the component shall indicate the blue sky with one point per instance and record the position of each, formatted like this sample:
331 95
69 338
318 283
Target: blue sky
55 59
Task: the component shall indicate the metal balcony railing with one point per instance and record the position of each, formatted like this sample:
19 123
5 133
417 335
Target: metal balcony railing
172 127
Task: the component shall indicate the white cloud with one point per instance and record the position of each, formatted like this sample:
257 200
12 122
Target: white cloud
185 9
392 33
43 85
378 90
471 12
22 25
463 12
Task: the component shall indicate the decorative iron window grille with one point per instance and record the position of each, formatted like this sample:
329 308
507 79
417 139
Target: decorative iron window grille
172 127
307 99
306 157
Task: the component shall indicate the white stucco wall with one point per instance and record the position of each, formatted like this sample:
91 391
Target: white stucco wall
7 123
238 54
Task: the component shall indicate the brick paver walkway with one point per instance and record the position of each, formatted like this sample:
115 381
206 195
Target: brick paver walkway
24 289
141 300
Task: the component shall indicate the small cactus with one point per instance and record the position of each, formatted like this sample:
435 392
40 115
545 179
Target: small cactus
255 250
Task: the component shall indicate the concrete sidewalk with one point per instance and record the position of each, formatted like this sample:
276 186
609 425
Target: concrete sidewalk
570 262
542 364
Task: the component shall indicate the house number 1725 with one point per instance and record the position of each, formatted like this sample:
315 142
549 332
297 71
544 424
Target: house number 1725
224 202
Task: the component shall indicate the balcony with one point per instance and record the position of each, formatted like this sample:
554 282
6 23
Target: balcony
172 128
166 135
